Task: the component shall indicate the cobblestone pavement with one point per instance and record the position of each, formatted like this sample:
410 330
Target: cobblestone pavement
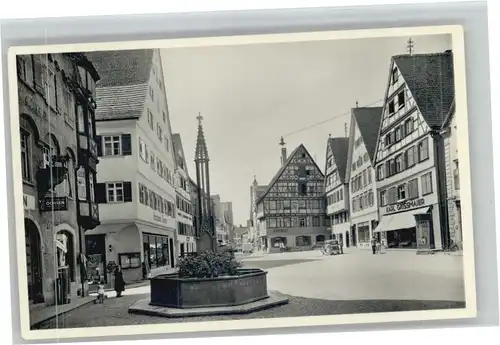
356 282
114 311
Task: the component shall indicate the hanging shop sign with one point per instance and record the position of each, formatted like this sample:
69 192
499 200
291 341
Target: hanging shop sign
29 202
406 205
54 204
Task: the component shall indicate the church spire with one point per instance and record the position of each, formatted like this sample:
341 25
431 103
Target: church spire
255 180
201 153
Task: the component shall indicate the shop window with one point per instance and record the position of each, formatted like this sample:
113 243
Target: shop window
301 241
129 260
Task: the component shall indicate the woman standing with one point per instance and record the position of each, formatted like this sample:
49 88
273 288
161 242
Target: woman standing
119 282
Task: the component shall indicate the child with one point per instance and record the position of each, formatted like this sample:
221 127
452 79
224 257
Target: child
100 292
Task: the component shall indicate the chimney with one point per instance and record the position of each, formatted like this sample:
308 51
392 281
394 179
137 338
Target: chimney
283 151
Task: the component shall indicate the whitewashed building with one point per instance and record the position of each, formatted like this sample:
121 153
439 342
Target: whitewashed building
186 240
337 190
135 189
365 123
411 177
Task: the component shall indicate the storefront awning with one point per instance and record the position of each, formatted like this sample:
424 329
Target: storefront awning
403 220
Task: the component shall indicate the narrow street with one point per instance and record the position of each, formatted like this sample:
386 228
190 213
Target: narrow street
356 282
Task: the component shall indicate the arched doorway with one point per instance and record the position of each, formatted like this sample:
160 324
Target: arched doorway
33 262
320 239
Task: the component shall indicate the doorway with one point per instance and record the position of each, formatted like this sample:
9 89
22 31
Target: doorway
347 239
172 257
33 262
354 237
96 258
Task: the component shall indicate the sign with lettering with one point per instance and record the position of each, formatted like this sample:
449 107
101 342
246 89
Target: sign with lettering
54 204
29 202
157 217
406 205
34 107
279 231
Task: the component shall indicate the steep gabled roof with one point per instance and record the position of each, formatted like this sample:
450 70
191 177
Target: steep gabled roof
340 148
121 92
451 112
368 122
179 151
282 169
431 82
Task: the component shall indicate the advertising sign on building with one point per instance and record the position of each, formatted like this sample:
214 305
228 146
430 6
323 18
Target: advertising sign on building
54 204
423 237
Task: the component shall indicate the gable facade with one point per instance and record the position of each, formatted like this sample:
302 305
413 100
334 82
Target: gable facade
291 211
406 159
363 190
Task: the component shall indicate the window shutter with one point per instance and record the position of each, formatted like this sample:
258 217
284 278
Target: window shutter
127 191
98 141
126 144
100 193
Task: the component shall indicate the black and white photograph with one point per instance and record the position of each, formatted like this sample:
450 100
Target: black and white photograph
260 182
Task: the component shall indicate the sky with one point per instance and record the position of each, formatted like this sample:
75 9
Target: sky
251 95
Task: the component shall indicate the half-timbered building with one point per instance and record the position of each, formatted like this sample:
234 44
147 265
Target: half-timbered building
337 190
291 211
365 123
410 157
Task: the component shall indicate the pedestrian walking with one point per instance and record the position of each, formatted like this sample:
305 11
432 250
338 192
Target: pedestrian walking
119 282
374 245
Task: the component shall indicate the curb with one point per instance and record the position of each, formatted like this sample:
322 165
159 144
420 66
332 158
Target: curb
36 324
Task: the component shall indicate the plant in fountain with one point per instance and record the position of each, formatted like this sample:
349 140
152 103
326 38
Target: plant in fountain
208 265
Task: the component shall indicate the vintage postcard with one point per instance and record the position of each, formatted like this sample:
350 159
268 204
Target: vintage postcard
242 182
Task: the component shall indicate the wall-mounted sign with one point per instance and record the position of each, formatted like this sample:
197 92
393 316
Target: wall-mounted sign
34 107
279 231
406 205
54 204
157 217
29 202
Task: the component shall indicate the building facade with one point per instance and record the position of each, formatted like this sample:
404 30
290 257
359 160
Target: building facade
410 155
58 168
450 137
337 191
258 239
186 241
363 136
291 211
136 177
